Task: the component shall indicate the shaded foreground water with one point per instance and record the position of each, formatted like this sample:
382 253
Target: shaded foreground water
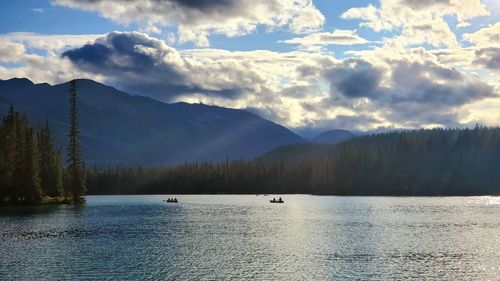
231 237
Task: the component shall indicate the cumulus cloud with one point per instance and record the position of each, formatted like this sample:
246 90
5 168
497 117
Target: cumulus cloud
487 42
145 65
49 68
142 64
11 51
196 20
408 93
419 22
337 37
485 37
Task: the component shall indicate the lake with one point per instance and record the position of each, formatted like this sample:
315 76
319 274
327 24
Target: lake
244 237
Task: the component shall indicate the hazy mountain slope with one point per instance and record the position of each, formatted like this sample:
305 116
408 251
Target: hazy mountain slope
117 128
296 152
334 136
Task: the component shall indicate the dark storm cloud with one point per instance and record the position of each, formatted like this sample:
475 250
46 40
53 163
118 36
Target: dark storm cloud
192 4
488 57
120 52
143 65
202 4
354 79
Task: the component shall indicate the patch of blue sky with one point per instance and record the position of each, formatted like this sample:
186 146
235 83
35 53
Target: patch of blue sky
12 65
20 16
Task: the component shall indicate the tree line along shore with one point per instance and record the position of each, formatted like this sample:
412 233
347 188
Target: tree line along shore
437 162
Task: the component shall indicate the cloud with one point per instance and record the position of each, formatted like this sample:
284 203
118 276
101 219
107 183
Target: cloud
405 93
488 57
456 56
435 85
354 79
419 4
48 42
485 37
38 68
141 64
337 37
11 51
145 65
196 20
487 44
418 22
38 10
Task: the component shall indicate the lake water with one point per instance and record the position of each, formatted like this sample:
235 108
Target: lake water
232 237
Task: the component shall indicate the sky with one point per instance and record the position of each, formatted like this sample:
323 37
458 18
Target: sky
308 65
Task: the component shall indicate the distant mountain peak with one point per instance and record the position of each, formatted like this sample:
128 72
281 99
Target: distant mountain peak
18 81
334 136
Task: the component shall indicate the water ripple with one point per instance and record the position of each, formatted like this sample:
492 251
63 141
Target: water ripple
245 238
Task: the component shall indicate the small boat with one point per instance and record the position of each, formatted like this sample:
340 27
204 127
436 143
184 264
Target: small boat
276 201
171 200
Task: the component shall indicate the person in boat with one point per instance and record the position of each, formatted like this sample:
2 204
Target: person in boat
175 200
280 200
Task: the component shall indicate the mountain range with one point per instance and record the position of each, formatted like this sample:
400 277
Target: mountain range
120 129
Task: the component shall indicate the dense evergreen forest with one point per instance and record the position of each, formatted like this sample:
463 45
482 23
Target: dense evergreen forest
424 162
30 165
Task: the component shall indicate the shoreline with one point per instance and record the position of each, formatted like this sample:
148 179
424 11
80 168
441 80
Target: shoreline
46 200
311 194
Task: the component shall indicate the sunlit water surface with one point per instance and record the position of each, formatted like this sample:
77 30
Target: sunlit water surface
231 237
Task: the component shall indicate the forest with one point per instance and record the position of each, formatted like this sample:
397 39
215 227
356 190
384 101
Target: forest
31 171
434 162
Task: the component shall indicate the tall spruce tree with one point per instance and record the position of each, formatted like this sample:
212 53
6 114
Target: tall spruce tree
76 168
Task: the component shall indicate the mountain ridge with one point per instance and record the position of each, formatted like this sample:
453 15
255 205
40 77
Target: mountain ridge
333 136
113 125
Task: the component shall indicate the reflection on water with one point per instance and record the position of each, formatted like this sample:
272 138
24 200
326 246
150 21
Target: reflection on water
245 237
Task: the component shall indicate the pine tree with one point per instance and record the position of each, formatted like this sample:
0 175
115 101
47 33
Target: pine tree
19 146
50 166
25 176
31 189
8 151
75 170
